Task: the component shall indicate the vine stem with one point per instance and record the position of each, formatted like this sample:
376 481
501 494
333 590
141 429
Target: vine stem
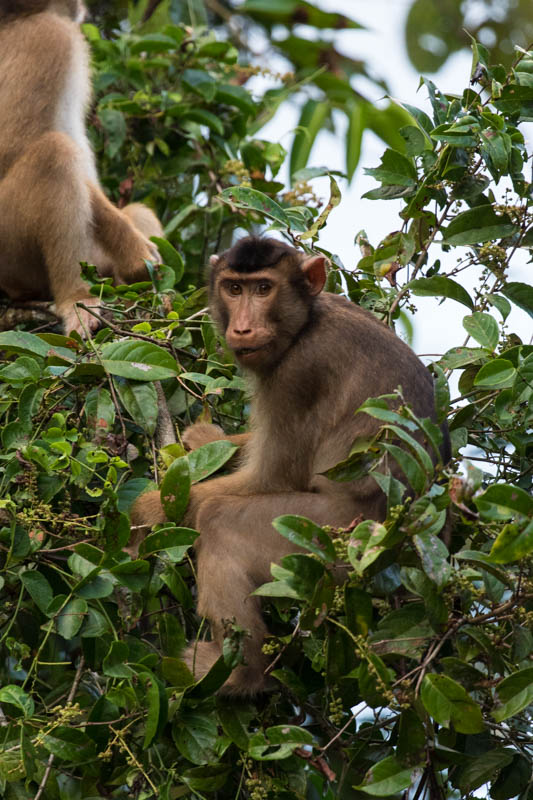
70 699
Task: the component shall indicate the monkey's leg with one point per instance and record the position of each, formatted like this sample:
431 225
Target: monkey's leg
236 548
45 216
125 247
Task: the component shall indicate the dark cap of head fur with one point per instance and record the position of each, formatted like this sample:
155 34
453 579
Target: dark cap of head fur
254 253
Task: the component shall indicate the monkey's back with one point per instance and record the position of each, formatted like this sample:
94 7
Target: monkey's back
44 82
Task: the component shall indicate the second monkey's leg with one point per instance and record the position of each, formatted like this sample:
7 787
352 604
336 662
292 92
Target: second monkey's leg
236 548
45 218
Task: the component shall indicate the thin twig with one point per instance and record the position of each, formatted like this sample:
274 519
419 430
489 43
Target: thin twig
70 698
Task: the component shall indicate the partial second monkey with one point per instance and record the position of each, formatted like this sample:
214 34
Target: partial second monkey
53 211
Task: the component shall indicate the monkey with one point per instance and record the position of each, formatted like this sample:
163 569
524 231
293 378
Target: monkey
53 211
311 359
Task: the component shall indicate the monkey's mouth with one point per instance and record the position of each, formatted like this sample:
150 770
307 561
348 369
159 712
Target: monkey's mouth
248 352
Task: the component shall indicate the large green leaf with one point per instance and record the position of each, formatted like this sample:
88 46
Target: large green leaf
278 742
439 286
175 488
513 694
521 295
313 116
496 374
386 778
252 199
19 698
140 401
304 533
512 543
502 501
478 225
448 703
209 458
483 328
141 361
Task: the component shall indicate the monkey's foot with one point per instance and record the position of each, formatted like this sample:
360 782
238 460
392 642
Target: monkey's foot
201 433
78 320
244 681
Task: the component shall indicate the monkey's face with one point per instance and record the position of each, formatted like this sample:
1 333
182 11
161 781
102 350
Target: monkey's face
258 314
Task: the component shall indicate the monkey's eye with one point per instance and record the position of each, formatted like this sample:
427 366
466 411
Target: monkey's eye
263 289
235 289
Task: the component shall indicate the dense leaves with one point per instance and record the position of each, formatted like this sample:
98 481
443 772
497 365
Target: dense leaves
401 649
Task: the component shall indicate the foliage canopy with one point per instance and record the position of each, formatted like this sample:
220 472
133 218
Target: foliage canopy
416 673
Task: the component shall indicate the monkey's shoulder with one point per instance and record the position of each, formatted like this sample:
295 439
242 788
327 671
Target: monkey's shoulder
338 311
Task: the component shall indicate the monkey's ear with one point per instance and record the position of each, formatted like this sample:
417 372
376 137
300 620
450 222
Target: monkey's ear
213 260
314 269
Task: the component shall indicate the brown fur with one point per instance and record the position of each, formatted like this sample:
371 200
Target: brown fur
53 213
319 358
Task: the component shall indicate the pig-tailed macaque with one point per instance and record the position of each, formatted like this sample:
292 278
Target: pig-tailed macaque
311 359
53 212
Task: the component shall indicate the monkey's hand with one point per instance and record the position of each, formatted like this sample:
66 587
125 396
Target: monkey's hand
78 319
201 433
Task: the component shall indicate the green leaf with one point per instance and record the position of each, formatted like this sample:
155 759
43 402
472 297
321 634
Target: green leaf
512 544
38 588
395 170
496 374
142 361
513 694
409 465
132 574
176 540
278 742
355 112
17 697
439 286
175 488
434 557
483 328
208 778
459 357
113 664
253 200
170 256
385 778
151 699
503 305
140 401
304 533
503 501
364 545
22 342
237 96
521 294
114 125
477 225
71 617
448 703
195 735
480 769
313 116
70 744
209 458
